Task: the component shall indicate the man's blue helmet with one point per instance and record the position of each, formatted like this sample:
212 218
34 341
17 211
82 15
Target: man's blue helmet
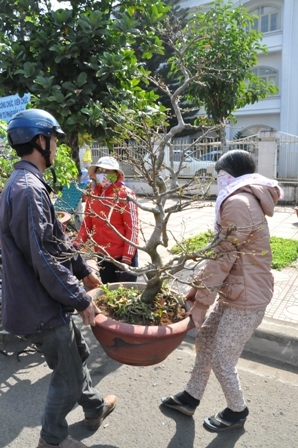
31 122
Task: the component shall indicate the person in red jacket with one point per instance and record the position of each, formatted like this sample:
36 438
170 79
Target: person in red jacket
111 220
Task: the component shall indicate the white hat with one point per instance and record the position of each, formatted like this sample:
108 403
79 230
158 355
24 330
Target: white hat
108 163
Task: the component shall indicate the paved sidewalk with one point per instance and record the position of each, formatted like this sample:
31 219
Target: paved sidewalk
277 337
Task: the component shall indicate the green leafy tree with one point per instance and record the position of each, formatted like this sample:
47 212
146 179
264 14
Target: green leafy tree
74 58
198 60
65 167
159 65
226 50
7 156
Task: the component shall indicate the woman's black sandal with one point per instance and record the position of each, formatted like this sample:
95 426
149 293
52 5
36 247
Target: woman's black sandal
218 424
174 403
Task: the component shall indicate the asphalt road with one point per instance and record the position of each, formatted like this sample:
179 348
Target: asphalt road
139 421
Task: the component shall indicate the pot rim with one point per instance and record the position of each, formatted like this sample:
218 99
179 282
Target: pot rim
110 324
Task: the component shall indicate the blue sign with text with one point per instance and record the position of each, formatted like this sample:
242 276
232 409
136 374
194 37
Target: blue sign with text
10 105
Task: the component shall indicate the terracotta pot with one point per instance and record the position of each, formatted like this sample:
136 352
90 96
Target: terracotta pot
137 345
64 218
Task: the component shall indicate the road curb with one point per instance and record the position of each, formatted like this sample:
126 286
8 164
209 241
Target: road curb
275 341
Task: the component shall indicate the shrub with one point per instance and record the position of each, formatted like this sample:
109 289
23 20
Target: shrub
284 250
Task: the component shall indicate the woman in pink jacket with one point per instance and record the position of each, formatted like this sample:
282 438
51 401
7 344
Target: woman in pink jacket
111 221
241 281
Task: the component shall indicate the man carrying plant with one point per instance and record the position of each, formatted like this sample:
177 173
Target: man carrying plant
40 278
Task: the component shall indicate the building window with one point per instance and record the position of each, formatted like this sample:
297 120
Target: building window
268 74
268 19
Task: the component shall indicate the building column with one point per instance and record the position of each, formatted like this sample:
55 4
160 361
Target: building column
289 69
267 154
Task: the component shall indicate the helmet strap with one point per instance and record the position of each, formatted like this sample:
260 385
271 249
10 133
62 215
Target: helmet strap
44 152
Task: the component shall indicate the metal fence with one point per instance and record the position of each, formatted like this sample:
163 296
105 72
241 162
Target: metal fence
285 150
196 157
287 156
98 151
124 152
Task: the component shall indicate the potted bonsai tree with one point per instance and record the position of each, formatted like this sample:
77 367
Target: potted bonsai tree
132 343
208 67
151 158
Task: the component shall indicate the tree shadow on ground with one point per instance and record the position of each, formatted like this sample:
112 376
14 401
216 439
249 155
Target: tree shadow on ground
79 432
185 429
20 403
226 439
185 432
24 380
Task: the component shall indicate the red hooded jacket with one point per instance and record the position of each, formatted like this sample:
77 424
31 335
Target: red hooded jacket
110 208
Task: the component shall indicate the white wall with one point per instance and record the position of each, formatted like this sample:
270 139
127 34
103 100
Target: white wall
244 122
289 84
280 112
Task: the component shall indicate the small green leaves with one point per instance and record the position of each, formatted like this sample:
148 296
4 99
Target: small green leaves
126 304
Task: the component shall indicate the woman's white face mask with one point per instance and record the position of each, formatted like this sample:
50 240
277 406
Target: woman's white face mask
224 179
105 180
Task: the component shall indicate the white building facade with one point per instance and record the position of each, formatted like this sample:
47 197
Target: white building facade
277 20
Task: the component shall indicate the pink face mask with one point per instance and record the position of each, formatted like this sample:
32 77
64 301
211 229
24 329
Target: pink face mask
224 179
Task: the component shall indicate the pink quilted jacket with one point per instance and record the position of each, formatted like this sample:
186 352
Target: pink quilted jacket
241 277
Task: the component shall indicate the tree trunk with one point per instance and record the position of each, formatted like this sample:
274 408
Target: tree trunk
152 289
223 139
73 142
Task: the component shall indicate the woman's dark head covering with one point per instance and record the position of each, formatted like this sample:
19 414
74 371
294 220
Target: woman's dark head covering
236 162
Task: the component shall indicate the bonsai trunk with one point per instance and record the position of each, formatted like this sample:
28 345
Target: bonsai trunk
153 287
154 283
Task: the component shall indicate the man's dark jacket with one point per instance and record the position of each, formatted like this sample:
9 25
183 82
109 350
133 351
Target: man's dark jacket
40 287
